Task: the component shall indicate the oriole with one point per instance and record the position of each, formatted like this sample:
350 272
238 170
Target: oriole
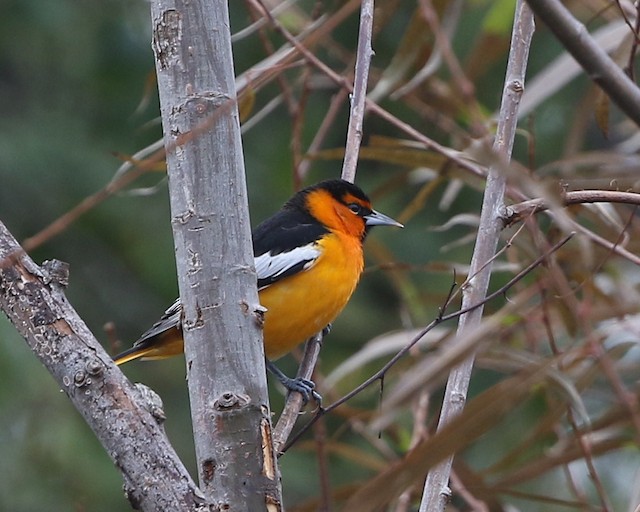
308 259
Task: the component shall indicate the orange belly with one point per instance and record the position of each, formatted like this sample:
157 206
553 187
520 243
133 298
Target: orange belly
301 305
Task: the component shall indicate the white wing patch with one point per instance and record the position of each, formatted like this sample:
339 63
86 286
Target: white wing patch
270 266
174 310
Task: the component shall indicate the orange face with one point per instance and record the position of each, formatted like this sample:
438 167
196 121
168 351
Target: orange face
339 214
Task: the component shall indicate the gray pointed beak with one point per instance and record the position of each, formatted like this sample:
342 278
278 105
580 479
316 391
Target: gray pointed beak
380 219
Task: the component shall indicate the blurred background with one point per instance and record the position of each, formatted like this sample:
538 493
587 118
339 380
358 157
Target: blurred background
78 98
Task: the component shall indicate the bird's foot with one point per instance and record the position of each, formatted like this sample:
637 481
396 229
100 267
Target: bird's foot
305 387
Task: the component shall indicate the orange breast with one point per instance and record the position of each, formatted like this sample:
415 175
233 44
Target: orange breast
301 305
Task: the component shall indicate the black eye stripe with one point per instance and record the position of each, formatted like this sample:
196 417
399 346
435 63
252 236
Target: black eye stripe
358 209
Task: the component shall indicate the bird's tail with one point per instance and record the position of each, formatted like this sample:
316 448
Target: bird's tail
131 354
166 344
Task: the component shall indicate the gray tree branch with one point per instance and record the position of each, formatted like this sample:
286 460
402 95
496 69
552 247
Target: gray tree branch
221 314
155 479
436 491
600 67
359 95
517 212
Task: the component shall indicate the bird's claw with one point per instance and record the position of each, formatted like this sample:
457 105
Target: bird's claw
305 387
300 385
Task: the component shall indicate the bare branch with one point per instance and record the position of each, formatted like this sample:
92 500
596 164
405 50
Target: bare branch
600 67
294 402
359 95
88 203
517 212
454 156
436 492
323 131
460 351
33 299
354 137
603 242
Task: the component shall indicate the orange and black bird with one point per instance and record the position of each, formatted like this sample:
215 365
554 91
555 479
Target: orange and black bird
308 259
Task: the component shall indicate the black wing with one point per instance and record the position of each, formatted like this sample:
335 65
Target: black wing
171 318
285 244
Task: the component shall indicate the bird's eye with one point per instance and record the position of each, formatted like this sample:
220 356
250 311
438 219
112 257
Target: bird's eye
355 208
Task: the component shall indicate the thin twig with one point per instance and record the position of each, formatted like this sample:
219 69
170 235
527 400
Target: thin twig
294 401
584 445
287 94
133 171
436 492
634 28
455 291
320 435
560 432
354 136
327 123
448 26
517 212
581 437
459 79
268 69
259 23
359 95
262 114
420 414
126 174
458 486
434 323
341 81
603 242
298 117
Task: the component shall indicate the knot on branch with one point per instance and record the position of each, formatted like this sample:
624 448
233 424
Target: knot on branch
516 86
209 471
152 402
81 379
229 400
95 368
257 310
203 104
56 272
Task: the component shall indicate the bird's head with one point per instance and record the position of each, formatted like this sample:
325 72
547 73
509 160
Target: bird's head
342 206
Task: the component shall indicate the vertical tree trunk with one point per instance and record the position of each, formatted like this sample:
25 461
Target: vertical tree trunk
223 344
